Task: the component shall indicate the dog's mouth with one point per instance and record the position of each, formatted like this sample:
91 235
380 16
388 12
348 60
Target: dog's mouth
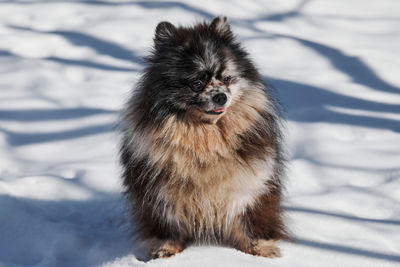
216 111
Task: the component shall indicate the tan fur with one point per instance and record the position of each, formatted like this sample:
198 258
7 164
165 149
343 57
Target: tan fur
265 248
166 249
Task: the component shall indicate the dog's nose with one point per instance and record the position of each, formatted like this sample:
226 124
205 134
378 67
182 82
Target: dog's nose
220 99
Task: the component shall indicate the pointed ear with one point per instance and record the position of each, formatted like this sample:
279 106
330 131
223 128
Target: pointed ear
164 32
221 25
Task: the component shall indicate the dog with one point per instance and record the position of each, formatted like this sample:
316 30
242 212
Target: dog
201 148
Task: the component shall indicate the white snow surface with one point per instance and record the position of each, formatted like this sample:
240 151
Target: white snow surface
66 67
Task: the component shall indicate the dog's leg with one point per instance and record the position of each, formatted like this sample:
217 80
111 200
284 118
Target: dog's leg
265 226
261 247
166 249
264 248
259 229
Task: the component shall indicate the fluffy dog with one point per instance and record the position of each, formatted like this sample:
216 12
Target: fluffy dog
201 149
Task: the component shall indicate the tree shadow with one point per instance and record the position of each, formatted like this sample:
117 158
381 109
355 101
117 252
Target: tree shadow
339 215
52 114
348 250
306 103
75 62
57 232
144 4
354 67
295 12
99 45
19 139
89 64
5 53
158 5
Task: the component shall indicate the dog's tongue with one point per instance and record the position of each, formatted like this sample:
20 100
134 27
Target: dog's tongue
219 110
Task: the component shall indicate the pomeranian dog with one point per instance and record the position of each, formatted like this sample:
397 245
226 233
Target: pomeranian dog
201 148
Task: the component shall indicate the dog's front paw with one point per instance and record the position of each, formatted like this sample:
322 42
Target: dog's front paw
166 250
265 248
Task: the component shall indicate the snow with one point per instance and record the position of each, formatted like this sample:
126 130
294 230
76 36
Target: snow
66 67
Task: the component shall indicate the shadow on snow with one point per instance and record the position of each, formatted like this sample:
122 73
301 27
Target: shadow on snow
306 103
100 229
348 250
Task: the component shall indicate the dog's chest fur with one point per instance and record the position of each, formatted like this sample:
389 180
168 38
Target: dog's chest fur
213 197
209 183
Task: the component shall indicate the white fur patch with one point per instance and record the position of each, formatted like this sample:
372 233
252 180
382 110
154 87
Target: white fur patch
209 60
249 185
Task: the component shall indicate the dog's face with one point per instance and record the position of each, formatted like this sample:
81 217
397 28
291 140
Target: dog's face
197 71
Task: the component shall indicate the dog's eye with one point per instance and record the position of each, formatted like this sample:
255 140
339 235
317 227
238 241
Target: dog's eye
197 86
227 80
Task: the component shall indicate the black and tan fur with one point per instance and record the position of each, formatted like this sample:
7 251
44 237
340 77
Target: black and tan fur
196 177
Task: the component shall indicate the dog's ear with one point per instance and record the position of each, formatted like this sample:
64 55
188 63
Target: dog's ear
164 32
221 25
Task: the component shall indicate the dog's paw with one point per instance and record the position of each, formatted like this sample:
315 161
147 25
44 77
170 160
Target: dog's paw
166 250
265 248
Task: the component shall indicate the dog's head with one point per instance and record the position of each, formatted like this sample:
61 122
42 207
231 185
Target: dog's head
197 72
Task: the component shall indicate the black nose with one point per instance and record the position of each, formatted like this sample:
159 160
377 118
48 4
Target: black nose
220 99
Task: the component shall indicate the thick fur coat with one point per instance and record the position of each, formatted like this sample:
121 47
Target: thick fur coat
201 149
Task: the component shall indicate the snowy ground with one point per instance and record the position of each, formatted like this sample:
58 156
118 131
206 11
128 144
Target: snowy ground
66 68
